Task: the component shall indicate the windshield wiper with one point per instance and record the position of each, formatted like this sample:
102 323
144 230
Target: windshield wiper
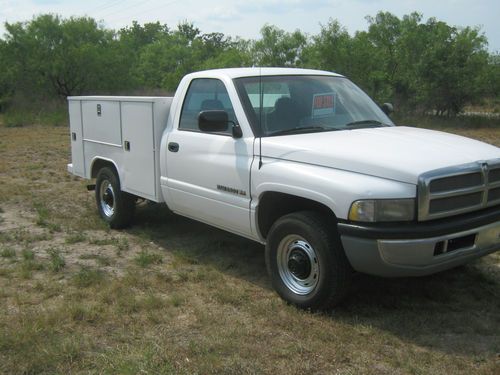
304 129
365 124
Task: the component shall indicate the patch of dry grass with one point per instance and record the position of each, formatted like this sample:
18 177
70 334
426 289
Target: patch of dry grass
170 295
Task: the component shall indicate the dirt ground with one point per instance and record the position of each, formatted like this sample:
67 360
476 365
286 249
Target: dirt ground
170 295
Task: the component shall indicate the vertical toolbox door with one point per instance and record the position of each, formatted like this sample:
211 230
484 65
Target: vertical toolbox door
138 145
75 121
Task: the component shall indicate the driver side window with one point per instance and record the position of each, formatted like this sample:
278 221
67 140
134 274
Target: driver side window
204 94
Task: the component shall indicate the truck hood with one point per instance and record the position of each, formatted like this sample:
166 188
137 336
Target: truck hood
398 153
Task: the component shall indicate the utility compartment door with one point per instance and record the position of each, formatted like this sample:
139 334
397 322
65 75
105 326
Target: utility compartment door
101 121
139 150
75 124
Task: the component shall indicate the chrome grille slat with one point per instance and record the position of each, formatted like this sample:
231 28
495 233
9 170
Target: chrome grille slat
453 193
456 182
457 190
493 185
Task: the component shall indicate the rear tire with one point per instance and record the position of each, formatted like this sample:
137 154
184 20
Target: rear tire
115 206
306 262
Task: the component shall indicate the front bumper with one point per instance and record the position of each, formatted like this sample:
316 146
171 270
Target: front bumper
420 249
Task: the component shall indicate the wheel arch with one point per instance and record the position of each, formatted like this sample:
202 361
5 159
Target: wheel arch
275 204
99 162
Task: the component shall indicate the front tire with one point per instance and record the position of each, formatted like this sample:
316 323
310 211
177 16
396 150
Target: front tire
306 261
115 206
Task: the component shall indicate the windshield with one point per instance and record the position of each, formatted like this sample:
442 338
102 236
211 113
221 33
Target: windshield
279 105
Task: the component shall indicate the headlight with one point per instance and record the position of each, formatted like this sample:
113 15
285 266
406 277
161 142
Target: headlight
372 210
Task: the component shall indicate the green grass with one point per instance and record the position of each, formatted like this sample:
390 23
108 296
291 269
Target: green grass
22 118
75 238
57 262
44 218
8 253
28 254
101 260
146 258
28 266
87 277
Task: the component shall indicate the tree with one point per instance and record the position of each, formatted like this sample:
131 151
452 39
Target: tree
451 67
278 48
65 57
330 49
7 74
163 63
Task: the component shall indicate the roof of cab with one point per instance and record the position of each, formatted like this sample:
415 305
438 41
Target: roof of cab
255 72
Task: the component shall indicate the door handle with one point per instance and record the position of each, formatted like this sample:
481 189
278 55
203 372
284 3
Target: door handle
173 147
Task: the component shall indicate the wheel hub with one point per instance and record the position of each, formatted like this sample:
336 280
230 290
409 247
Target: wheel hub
299 264
107 198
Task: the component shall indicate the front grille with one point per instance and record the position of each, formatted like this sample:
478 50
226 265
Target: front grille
456 190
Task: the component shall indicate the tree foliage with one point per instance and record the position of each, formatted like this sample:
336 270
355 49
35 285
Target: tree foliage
419 65
278 48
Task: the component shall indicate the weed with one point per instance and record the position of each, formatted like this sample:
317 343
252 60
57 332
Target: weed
177 300
8 253
87 277
75 238
122 245
5 272
57 262
145 258
84 313
42 214
28 254
231 296
101 260
153 302
27 267
102 241
27 237
43 218
5 237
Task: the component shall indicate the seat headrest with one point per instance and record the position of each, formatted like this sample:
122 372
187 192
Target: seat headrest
209 104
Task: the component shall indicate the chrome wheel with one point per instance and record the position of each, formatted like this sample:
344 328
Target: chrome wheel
107 198
297 264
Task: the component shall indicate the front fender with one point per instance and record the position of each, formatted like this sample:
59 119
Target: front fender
334 188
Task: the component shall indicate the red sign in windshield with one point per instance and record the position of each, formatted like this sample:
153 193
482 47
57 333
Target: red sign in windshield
323 105
323 101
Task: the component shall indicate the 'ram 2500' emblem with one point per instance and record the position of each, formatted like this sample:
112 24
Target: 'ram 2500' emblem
231 190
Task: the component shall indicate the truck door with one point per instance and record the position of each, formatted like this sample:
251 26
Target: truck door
209 173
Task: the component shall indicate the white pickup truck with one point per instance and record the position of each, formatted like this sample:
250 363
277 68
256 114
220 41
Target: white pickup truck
302 161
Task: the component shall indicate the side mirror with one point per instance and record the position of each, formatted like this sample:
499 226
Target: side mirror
387 108
213 121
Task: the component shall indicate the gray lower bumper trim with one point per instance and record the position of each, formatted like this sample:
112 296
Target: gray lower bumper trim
415 257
